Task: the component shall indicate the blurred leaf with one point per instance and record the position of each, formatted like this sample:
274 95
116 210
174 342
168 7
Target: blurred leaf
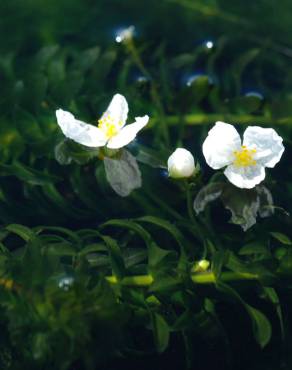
24 232
116 257
218 261
246 104
27 126
172 229
253 248
27 174
157 256
282 238
67 151
261 326
87 59
161 332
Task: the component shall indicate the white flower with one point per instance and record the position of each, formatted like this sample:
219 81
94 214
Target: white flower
111 130
181 164
246 162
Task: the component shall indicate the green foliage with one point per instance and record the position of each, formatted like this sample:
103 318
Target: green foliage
100 252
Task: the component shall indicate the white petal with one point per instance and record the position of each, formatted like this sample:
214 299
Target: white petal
79 131
245 177
267 143
117 110
127 133
221 142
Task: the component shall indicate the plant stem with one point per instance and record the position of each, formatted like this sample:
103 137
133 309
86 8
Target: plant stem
189 202
197 278
204 118
131 47
138 280
209 277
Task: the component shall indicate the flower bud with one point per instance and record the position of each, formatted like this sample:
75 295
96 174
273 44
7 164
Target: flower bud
201 266
181 164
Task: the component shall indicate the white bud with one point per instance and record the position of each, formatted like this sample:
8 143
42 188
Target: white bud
201 266
181 164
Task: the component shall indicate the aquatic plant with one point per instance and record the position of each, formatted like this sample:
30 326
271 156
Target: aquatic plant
118 250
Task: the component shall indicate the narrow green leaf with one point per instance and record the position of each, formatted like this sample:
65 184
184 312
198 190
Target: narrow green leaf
261 326
282 238
161 332
24 232
262 329
116 257
164 224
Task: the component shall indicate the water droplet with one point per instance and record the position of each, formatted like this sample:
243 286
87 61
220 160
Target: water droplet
66 282
141 79
164 173
190 79
209 44
124 34
255 93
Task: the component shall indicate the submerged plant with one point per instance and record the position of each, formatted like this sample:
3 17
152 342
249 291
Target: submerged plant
112 282
245 162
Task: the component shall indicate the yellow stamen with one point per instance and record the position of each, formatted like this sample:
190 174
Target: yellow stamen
244 157
108 125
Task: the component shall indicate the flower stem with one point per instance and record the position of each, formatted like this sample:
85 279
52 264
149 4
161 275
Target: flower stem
205 118
131 47
138 280
189 202
197 278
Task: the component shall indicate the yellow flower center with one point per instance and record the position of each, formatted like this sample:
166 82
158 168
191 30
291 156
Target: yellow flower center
108 125
244 157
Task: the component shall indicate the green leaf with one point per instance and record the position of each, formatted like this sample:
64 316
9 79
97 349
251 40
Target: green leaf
96 247
246 104
87 59
240 65
161 332
150 157
282 238
24 232
157 255
116 257
166 225
262 329
261 326
28 127
131 225
194 92
134 256
27 174
218 261
61 249
164 284
273 297
255 247
67 151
